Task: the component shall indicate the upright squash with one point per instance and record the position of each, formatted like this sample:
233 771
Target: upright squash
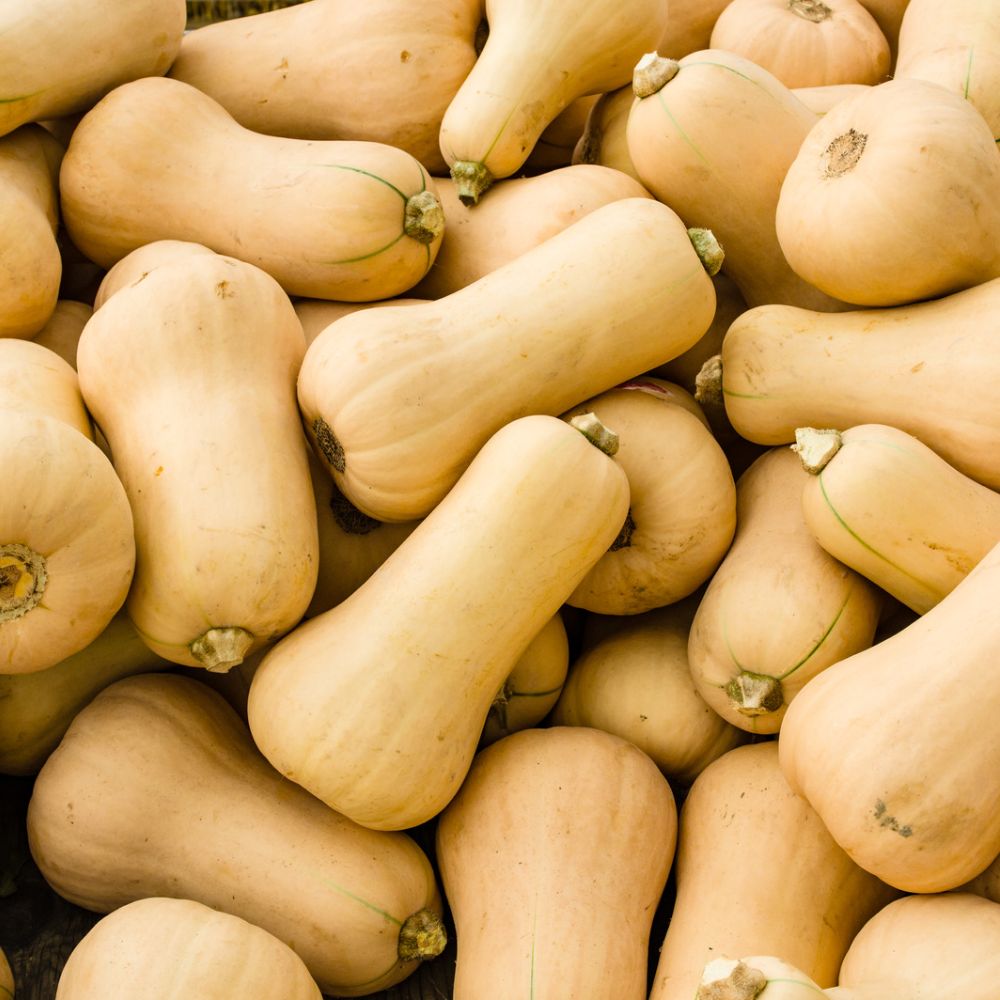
331 219
377 705
158 948
553 857
190 372
539 57
157 790
398 401
918 807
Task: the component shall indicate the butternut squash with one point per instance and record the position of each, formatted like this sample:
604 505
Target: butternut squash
159 947
295 72
62 332
889 507
452 620
30 262
59 58
694 138
889 15
155 758
635 682
757 873
779 609
920 810
555 145
806 43
820 100
580 313
519 214
539 57
958 47
682 513
37 708
761 977
894 197
316 315
604 141
136 266
34 379
925 947
190 373
329 219
553 857
784 368
689 26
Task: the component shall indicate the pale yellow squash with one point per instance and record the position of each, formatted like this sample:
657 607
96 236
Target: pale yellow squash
170 798
329 219
34 379
553 857
316 315
62 332
556 144
159 948
137 265
689 26
604 140
420 650
820 100
889 15
919 809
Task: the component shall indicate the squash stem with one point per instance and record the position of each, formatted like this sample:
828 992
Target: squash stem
816 447
755 694
590 426
23 577
652 73
423 219
708 382
725 979
708 249
220 649
422 936
471 180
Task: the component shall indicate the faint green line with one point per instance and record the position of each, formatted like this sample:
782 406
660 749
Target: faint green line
329 883
367 256
744 395
968 74
701 156
822 638
367 173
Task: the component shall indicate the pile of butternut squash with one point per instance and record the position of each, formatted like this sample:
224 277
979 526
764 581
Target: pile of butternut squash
465 463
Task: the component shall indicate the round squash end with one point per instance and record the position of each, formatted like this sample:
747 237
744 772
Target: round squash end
471 179
23 577
755 694
423 219
422 936
708 382
652 73
816 447
220 649
725 979
590 426
708 249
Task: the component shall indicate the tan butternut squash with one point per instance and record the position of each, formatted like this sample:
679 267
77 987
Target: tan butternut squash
761 977
190 373
784 368
37 708
539 58
871 209
330 219
62 332
682 512
294 72
806 43
986 883
635 682
889 507
820 100
958 47
757 873
136 266
779 609
553 857
889 15
694 138
519 214
924 948
452 620
919 810
34 379
689 26
316 315
58 58
156 757
159 947
30 262
555 145
580 313
604 141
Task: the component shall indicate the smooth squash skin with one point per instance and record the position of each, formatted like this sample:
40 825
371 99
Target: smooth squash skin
956 46
779 609
784 368
689 26
695 141
635 682
398 401
34 379
345 220
30 262
190 373
136 267
886 505
296 71
604 140
919 810
37 708
894 197
521 213
758 874
820 100
408 651
925 948
158 948
62 332
806 43
169 797
539 57
316 315
58 58
553 857
889 15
